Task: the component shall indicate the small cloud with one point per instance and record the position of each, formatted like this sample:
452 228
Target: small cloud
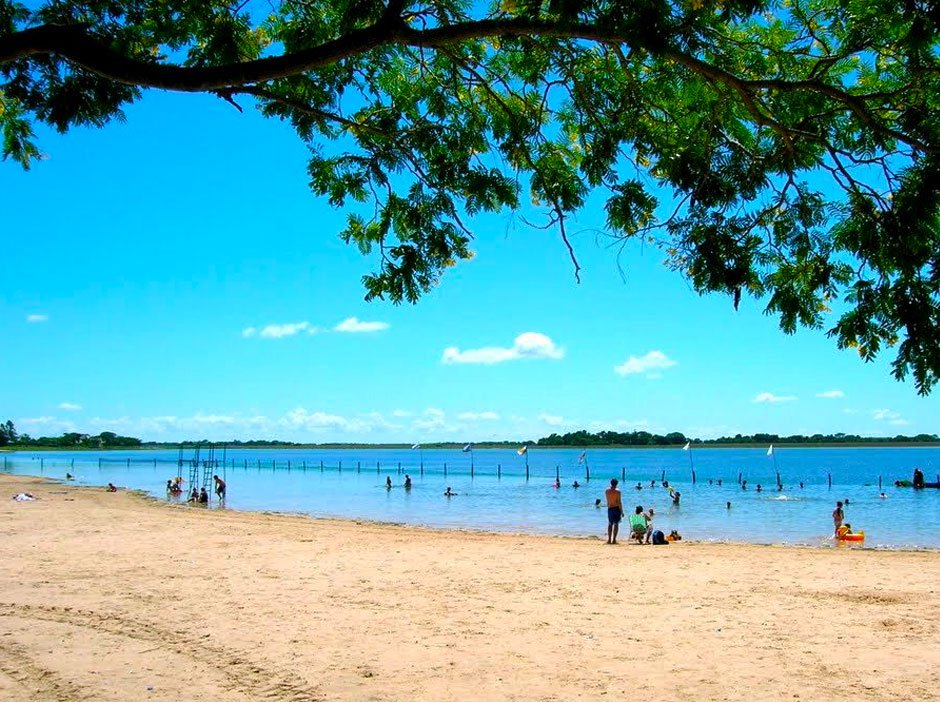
354 325
831 394
552 420
651 364
37 318
70 406
478 415
771 398
401 413
527 345
431 420
279 331
889 416
249 332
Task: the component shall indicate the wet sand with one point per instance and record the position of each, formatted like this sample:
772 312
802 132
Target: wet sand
113 596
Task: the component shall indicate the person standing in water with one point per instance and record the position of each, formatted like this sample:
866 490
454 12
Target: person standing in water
614 511
407 482
837 516
219 487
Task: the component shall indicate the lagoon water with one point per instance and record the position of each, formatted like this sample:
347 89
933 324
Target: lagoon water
494 495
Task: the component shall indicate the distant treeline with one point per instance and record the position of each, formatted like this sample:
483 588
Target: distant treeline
645 438
107 439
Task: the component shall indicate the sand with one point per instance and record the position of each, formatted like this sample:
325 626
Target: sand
113 596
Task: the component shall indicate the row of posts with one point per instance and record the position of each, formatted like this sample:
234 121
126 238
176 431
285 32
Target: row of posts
378 469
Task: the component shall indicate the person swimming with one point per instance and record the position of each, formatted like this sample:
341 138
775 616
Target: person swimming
639 487
575 484
449 493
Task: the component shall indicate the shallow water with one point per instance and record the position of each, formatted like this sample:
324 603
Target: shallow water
497 496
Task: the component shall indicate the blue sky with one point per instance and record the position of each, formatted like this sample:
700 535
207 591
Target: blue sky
173 277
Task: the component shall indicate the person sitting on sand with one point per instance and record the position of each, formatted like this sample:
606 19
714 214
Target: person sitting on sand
614 511
388 483
638 524
112 487
449 493
203 497
219 487
575 484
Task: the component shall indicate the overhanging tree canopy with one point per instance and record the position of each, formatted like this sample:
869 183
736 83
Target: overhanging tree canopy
787 150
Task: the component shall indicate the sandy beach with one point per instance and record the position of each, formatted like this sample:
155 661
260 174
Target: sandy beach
113 596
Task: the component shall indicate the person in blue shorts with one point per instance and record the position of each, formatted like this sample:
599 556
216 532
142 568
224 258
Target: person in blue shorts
614 511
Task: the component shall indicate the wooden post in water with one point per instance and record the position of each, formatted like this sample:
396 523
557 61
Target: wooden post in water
499 470
471 470
399 467
740 475
288 466
445 470
527 470
340 466
377 470
587 472
623 474
358 466
830 480
557 474
128 463
879 482
42 464
154 462
662 478
273 464
99 462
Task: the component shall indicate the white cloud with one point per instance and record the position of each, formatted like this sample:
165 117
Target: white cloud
831 394
527 345
478 415
401 413
36 318
552 420
70 406
279 331
354 325
432 420
45 425
889 416
770 397
651 363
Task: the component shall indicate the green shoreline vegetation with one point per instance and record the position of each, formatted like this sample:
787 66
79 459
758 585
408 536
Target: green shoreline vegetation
10 439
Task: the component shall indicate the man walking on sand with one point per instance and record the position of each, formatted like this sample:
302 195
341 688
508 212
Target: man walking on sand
614 511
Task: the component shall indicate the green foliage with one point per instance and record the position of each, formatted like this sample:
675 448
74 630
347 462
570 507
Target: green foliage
645 438
782 150
104 440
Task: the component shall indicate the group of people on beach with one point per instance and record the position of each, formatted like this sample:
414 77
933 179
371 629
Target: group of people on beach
174 487
641 522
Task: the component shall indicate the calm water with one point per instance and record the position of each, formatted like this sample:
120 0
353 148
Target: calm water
906 519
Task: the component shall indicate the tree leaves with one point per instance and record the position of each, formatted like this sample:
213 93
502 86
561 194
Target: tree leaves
785 151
